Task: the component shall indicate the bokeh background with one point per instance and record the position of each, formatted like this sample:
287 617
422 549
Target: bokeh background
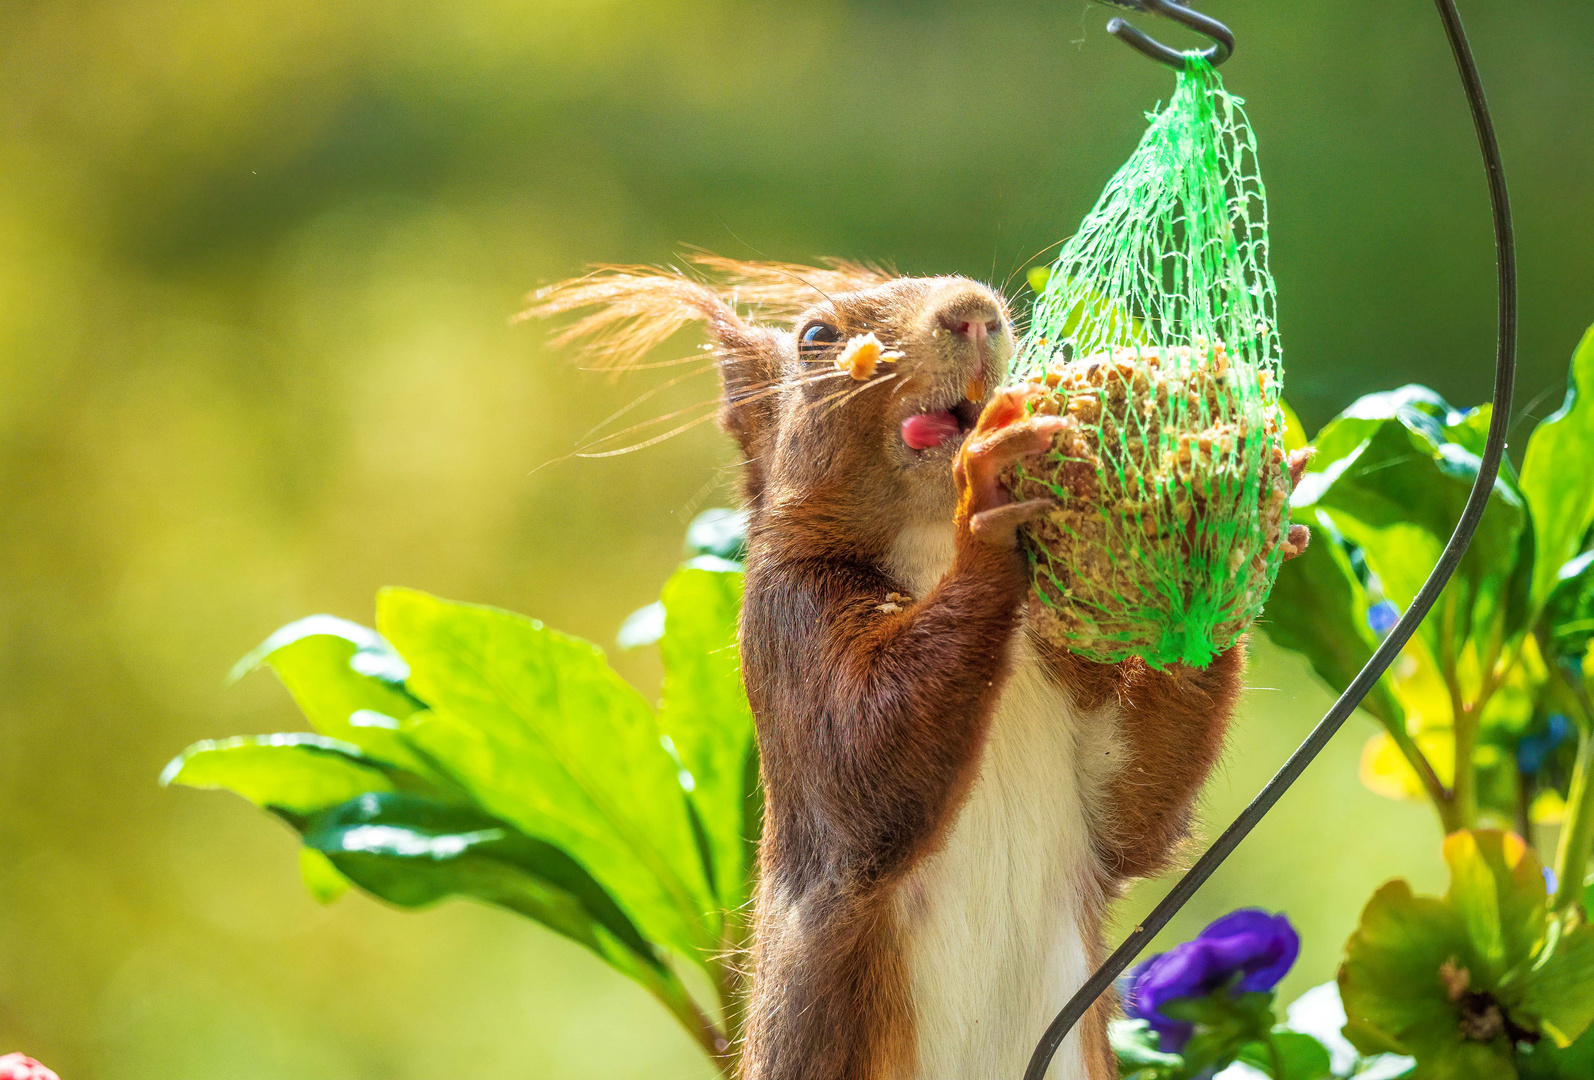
257 267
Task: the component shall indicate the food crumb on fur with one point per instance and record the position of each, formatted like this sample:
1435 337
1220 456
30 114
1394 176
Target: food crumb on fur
894 603
862 356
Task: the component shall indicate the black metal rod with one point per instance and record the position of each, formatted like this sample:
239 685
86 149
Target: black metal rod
1471 514
1180 13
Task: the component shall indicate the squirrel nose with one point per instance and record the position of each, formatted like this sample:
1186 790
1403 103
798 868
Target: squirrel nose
975 330
970 315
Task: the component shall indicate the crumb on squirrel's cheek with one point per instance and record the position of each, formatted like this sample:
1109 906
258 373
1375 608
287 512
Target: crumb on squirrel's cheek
926 431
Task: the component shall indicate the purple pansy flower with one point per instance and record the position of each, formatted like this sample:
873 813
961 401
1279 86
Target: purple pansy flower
1258 947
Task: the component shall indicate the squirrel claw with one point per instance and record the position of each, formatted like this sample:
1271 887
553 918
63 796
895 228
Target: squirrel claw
1001 439
1295 543
1000 525
1299 459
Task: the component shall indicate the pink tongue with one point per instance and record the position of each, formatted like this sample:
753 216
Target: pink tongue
929 430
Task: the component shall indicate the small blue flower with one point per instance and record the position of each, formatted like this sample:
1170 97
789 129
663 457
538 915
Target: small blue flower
1256 946
1549 881
1534 750
1382 617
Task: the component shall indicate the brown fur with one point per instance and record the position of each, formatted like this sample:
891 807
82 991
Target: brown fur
871 720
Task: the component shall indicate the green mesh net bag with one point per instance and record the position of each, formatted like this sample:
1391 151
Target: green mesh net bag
1155 336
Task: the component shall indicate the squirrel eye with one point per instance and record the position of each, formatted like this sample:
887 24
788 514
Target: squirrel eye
817 335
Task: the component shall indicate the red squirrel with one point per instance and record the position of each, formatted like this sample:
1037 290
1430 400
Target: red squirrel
950 804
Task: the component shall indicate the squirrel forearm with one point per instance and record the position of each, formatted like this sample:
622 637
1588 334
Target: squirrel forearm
894 704
1173 723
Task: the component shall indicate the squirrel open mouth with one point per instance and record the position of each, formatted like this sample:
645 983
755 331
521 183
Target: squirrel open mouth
928 430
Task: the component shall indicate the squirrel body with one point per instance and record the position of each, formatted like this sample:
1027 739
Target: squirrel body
950 802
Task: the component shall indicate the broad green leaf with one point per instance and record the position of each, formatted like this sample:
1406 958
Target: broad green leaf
1497 887
1546 1061
1393 472
413 851
1420 688
1318 608
544 734
1559 991
323 880
1558 473
706 718
1568 615
1295 437
346 679
1135 1046
1385 771
295 774
1419 973
1288 1055
1389 981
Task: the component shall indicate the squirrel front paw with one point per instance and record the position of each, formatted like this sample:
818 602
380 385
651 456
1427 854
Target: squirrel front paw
1003 436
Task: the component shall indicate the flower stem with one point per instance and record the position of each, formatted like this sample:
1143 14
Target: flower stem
1425 773
1577 833
666 988
1277 1058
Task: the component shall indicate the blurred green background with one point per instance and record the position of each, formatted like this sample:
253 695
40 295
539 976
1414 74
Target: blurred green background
257 263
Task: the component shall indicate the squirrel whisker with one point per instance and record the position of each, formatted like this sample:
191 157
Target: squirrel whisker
656 439
848 395
646 394
644 425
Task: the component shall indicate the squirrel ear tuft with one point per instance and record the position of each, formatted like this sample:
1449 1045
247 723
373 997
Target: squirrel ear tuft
635 309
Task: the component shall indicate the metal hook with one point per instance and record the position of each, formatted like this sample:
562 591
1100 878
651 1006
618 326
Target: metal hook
1179 13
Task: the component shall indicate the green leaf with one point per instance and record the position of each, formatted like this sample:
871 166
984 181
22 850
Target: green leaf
1568 615
346 679
1225 1022
413 851
1389 981
323 880
1393 472
1546 1061
294 774
1559 992
1497 887
1448 981
1318 608
706 718
1135 1046
1558 473
1293 1056
1295 437
545 735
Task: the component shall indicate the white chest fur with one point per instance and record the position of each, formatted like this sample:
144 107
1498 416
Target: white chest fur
994 922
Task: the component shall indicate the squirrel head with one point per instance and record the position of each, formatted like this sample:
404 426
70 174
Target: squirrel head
848 389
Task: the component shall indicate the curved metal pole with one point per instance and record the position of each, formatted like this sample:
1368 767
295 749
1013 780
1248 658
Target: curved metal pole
1174 58
1471 514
